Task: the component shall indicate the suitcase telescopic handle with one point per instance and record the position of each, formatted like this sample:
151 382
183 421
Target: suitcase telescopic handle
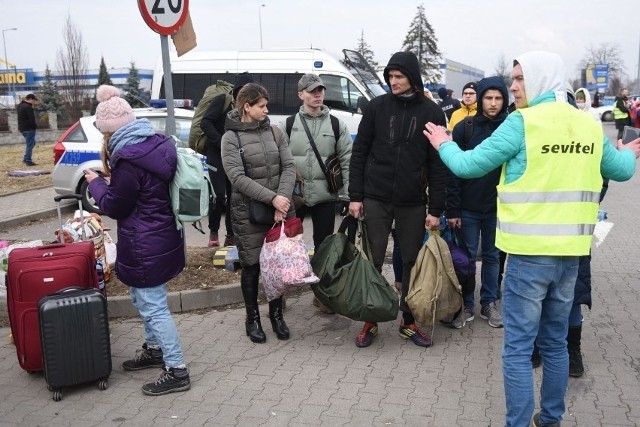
58 199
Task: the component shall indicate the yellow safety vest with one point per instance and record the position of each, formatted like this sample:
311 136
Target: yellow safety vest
618 113
553 207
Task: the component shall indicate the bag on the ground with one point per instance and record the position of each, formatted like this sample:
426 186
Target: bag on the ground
197 138
88 228
434 292
191 191
285 265
350 284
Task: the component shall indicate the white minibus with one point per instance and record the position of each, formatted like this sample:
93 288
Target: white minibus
350 80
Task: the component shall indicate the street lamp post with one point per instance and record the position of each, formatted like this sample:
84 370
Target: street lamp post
260 21
6 61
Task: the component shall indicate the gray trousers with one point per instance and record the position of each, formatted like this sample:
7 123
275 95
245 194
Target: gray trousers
410 228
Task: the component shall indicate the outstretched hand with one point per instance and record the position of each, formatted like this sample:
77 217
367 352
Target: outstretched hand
437 135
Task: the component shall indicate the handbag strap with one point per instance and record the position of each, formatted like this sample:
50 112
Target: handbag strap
241 151
313 144
363 242
348 226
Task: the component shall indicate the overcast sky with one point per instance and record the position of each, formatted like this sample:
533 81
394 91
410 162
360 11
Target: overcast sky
472 32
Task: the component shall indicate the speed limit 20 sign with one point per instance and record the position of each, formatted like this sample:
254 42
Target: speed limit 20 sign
164 16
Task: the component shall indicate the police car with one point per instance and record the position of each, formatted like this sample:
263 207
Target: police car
79 149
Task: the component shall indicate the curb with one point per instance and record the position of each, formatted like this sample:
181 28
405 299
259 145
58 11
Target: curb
45 213
179 302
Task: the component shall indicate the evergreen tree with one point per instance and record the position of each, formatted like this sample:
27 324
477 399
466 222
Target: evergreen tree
422 41
132 94
103 74
49 95
364 50
103 79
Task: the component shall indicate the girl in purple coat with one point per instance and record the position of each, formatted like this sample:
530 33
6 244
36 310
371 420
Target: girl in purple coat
138 168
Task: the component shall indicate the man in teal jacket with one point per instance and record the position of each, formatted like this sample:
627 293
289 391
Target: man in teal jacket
544 156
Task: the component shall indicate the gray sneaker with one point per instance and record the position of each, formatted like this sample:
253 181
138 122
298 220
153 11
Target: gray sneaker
460 320
491 313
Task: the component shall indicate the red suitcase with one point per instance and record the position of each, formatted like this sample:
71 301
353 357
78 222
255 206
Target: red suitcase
36 272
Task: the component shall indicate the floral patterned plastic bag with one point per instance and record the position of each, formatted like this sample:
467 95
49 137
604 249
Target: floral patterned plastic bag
285 265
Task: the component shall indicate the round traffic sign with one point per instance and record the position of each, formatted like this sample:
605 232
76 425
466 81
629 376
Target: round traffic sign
164 16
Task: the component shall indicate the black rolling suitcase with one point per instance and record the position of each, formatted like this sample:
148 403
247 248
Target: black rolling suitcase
76 347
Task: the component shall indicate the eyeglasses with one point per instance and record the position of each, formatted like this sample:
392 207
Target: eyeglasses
468 93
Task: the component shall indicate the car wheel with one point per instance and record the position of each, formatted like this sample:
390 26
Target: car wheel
88 202
607 116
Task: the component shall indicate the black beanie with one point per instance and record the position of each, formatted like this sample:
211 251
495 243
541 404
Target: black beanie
471 85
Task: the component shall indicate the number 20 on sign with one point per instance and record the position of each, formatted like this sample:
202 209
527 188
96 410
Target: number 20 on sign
164 16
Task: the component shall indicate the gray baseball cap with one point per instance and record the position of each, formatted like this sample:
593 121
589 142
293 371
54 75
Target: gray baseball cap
309 82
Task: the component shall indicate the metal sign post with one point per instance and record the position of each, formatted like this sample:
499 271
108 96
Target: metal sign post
170 125
165 17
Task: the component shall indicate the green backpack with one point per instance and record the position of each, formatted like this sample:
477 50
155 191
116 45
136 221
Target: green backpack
197 138
191 190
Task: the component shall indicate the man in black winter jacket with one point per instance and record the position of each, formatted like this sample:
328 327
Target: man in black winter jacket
27 126
212 126
389 173
471 203
447 103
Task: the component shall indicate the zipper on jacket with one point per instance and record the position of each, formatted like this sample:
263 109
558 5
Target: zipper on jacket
392 120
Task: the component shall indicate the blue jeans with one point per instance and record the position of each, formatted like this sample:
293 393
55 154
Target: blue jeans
474 226
159 327
536 300
30 139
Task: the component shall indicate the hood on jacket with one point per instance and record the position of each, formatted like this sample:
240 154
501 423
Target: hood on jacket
587 99
407 64
233 122
497 83
442 93
157 154
543 72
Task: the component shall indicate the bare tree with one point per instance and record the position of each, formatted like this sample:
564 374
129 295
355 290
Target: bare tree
605 53
503 69
72 63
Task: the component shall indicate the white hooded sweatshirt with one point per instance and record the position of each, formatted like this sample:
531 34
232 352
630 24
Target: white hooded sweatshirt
586 107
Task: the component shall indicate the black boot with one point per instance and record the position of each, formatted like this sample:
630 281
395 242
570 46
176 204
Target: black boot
536 360
576 368
249 286
277 321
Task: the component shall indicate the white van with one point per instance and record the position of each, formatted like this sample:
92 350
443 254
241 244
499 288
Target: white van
350 81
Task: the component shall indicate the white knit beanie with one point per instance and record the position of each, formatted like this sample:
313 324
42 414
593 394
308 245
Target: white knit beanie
112 112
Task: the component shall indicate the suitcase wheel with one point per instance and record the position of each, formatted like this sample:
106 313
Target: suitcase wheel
57 395
103 384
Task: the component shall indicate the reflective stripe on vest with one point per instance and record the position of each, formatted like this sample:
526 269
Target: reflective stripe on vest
552 208
547 229
551 197
618 113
